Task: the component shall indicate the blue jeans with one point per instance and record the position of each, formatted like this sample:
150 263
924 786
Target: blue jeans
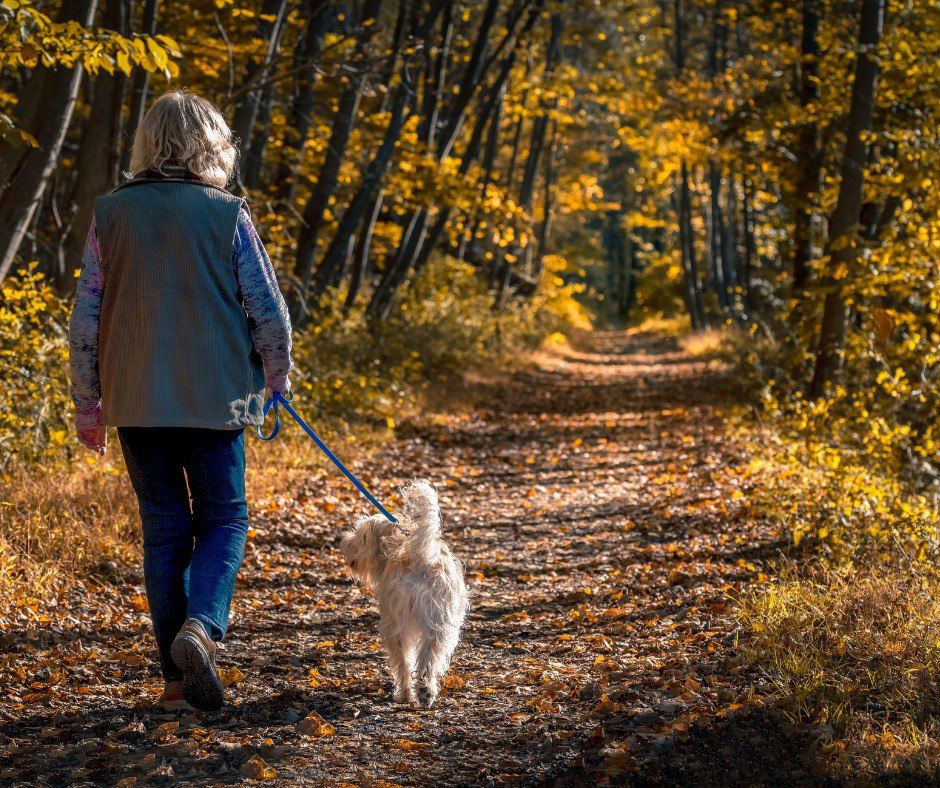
190 486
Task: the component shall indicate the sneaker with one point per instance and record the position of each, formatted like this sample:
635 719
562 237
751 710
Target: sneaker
194 654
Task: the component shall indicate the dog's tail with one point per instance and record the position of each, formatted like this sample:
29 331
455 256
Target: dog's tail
424 512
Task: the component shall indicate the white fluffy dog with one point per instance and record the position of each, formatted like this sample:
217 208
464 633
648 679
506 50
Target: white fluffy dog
419 587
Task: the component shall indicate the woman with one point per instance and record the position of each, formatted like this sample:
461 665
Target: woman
177 329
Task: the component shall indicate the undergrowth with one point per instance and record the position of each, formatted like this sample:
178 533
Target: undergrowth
854 651
849 631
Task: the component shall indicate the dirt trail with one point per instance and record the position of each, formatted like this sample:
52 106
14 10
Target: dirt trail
593 501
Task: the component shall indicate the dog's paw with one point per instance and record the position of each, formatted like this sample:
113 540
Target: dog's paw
426 697
403 696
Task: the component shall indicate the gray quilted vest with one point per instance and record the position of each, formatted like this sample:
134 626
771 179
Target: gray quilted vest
174 344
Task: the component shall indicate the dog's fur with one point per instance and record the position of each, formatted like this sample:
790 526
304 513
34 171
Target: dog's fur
420 589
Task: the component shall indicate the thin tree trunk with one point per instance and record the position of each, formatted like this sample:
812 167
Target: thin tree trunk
548 204
30 173
728 257
843 226
140 86
469 81
489 162
687 255
807 182
96 164
299 117
537 144
714 229
417 224
360 267
374 211
382 298
747 228
516 143
248 108
343 121
691 291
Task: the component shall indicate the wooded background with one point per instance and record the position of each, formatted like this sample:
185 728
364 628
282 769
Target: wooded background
763 164
744 190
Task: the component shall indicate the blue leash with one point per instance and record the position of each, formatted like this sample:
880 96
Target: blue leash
277 399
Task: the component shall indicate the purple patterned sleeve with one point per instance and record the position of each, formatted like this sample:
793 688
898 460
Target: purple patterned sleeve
83 336
270 322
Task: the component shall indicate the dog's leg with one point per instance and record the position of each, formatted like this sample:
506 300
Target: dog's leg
436 649
398 664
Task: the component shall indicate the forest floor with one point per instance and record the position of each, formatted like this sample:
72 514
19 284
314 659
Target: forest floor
600 506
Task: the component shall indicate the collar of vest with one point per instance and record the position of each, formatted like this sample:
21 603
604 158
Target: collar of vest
169 174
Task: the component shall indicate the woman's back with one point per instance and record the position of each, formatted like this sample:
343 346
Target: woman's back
174 347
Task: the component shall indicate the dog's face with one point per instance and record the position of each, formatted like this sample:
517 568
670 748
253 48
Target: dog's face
368 545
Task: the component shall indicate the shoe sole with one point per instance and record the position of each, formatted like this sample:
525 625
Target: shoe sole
201 686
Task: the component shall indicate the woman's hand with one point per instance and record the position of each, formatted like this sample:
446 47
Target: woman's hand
95 438
277 384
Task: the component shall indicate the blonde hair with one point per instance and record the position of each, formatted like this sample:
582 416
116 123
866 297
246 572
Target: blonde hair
185 130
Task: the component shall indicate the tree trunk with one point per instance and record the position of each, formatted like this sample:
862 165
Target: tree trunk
96 165
248 108
360 267
714 229
747 264
548 205
808 156
417 224
691 292
343 121
371 182
382 298
415 233
140 86
469 81
728 256
489 162
306 54
516 143
29 175
374 211
842 246
537 145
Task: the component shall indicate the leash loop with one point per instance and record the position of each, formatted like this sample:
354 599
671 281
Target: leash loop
278 399
271 403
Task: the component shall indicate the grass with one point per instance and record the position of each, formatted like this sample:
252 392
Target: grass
67 520
848 626
857 648
708 343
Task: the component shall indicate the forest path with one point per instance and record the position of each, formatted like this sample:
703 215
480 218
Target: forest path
594 501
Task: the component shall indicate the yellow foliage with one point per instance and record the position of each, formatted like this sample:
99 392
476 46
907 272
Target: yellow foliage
34 418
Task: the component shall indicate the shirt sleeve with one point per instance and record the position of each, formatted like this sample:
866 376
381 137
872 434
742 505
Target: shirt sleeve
267 311
83 336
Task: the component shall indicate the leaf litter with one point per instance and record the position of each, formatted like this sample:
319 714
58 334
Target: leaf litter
594 501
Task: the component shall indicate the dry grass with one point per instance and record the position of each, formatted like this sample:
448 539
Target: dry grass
674 326
859 649
62 521
708 343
